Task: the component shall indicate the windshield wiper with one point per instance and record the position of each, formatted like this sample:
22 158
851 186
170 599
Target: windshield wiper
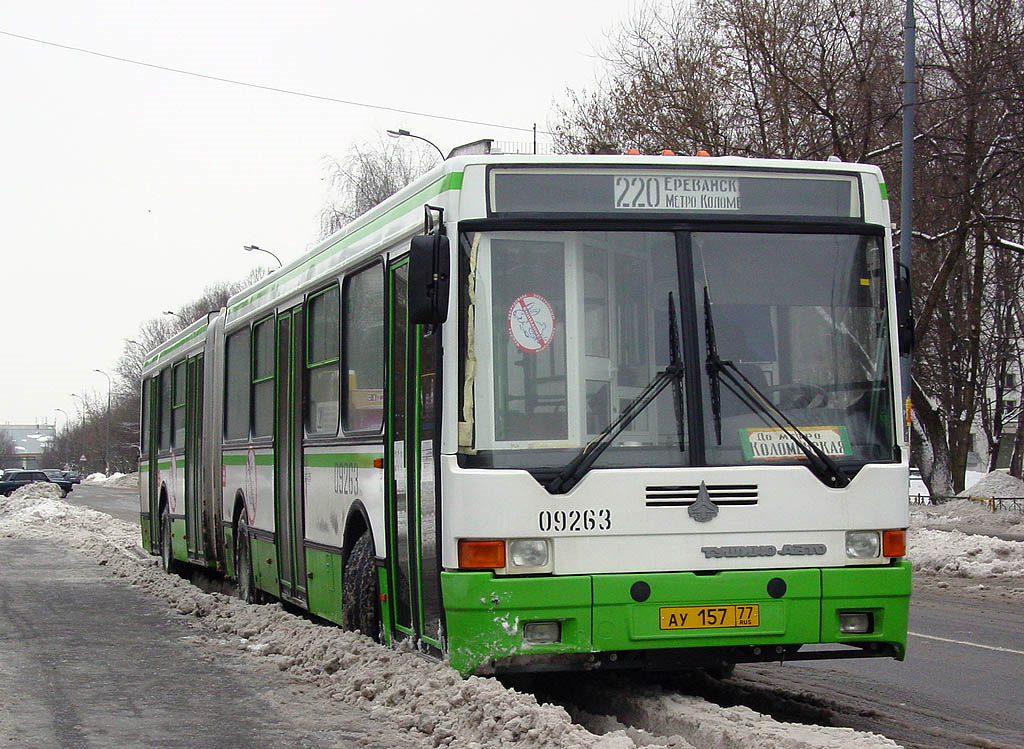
820 463
575 469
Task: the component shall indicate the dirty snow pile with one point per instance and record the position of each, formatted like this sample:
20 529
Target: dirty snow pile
965 538
113 481
426 700
995 484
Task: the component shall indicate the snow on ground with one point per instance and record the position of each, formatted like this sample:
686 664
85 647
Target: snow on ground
966 539
115 480
426 699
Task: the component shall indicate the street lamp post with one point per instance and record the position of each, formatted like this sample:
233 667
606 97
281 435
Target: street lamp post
254 248
406 134
106 455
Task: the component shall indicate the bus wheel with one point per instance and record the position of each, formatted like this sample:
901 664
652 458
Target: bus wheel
167 560
245 584
360 600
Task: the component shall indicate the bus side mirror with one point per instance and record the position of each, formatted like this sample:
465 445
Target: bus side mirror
904 311
428 279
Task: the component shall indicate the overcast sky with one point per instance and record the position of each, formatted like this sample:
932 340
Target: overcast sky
124 189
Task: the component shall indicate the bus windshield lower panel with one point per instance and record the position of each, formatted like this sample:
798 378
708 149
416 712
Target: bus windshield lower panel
562 332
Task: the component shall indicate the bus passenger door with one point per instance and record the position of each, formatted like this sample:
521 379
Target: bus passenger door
152 448
194 458
413 408
288 474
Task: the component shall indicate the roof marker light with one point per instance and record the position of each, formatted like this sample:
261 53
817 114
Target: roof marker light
668 152
702 152
632 152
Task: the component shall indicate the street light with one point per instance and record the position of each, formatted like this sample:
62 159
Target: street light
405 133
106 455
254 248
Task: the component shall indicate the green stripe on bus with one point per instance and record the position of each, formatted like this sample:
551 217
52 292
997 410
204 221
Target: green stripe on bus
312 460
885 192
193 335
330 460
450 181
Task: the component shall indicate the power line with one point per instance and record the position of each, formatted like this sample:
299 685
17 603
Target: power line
262 87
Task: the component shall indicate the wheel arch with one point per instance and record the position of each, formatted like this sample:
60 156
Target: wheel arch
357 522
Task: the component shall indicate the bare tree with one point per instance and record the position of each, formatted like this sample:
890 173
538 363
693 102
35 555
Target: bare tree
813 78
7 451
369 175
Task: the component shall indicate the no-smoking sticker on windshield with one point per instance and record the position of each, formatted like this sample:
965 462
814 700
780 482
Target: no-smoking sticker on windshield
531 323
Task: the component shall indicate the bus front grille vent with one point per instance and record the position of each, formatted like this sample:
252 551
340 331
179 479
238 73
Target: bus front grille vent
684 496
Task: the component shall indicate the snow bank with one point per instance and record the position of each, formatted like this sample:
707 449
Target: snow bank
115 480
964 555
429 701
995 484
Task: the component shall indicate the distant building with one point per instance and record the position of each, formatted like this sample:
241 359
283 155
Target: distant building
30 441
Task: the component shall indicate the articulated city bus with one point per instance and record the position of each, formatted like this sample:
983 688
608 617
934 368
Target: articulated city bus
560 412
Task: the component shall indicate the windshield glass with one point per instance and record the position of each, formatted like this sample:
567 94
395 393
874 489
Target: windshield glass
802 317
561 331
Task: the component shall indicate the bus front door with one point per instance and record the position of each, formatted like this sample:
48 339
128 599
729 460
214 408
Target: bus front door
288 475
194 459
412 534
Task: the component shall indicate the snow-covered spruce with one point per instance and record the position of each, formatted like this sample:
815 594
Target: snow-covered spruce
427 700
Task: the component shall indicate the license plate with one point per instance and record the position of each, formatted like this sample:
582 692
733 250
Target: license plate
709 617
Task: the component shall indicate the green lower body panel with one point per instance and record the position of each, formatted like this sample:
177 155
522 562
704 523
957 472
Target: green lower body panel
147 537
485 615
264 567
882 592
178 542
624 615
229 551
323 584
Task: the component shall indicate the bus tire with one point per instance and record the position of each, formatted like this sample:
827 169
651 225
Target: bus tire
245 581
360 600
167 560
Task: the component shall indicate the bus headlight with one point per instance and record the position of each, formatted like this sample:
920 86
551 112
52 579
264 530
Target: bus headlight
528 553
862 544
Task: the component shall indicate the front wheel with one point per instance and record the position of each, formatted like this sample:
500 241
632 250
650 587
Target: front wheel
360 598
245 583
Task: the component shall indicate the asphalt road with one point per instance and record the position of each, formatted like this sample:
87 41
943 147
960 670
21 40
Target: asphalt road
960 685
88 661
122 504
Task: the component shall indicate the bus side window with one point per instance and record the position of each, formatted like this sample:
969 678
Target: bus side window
363 325
178 407
263 378
165 409
322 362
236 396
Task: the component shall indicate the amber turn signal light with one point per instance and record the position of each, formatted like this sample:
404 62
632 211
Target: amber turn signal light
894 543
481 555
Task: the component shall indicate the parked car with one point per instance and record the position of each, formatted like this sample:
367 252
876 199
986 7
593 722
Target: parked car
14 479
73 476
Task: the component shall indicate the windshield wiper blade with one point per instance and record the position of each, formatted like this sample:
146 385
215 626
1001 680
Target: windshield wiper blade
713 365
575 469
676 363
820 463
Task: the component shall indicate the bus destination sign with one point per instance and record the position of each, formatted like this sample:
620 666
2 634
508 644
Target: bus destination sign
674 192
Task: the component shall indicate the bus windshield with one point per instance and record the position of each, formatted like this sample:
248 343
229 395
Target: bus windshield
561 331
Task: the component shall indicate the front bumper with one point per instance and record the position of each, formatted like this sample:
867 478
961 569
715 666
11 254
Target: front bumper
613 620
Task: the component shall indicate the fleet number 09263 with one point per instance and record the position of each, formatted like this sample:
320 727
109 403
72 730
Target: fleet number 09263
574 521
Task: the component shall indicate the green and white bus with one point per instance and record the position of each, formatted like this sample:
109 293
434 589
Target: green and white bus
560 412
